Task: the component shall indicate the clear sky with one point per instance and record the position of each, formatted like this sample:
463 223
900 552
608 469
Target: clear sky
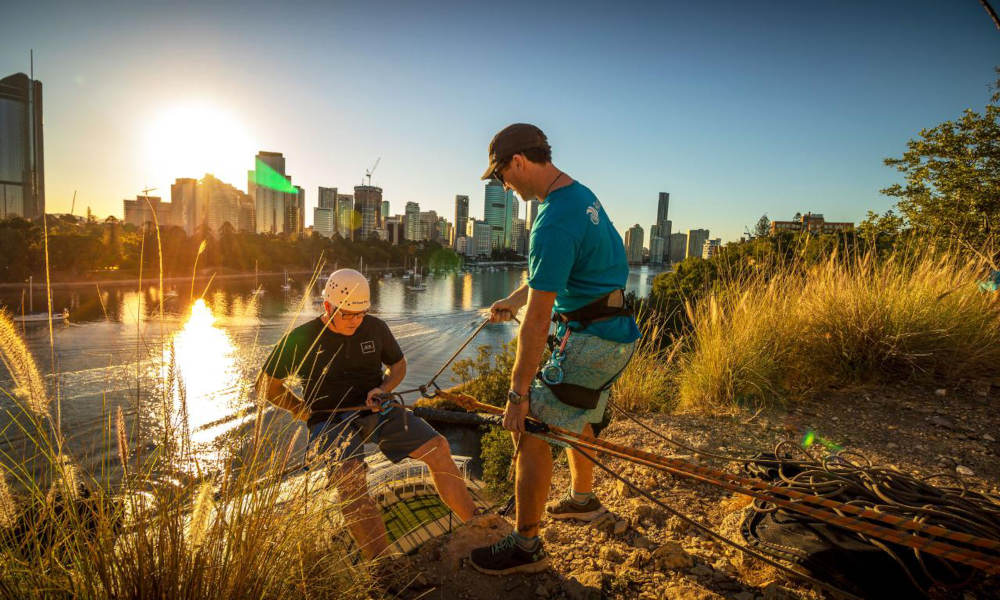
735 108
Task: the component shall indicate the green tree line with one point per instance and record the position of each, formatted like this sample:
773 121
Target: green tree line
94 250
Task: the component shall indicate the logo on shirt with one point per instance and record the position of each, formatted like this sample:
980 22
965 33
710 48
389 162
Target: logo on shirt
368 347
593 212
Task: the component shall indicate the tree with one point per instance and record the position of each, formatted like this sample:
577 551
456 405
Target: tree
953 178
763 227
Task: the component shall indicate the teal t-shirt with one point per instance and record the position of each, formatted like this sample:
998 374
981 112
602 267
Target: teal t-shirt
576 251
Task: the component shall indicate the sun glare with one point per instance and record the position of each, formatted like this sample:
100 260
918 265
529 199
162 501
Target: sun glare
191 139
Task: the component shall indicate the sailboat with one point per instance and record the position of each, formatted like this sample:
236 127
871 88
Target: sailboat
257 290
417 282
286 286
31 316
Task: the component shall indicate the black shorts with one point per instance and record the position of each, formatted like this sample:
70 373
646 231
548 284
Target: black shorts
397 434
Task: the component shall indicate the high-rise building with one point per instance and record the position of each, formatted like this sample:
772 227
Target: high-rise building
710 248
327 198
385 210
532 214
411 221
495 212
217 203
22 156
444 231
480 236
696 241
656 250
395 229
367 210
520 239
633 244
324 221
183 192
141 211
428 226
279 206
663 226
678 247
461 216
345 216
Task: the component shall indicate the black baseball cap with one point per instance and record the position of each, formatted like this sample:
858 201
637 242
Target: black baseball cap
511 140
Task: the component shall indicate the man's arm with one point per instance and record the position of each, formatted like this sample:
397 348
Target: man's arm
397 371
531 338
277 394
505 308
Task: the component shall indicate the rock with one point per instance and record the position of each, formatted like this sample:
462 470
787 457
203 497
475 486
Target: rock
542 591
892 445
642 542
774 591
623 491
941 422
989 438
637 559
743 596
671 556
703 571
621 527
585 585
643 511
940 392
605 523
687 591
964 470
480 531
610 554
676 525
550 535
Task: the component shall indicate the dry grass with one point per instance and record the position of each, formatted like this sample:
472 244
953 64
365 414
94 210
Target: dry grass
243 531
839 323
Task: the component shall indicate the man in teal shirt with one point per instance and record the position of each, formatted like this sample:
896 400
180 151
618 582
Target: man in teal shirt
576 276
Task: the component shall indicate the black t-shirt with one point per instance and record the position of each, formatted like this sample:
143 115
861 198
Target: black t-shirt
337 371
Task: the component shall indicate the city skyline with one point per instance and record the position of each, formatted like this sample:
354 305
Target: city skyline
745 125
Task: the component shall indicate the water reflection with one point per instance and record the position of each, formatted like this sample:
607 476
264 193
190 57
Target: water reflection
204 389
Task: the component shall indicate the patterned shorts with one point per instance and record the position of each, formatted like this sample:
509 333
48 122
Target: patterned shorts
591 362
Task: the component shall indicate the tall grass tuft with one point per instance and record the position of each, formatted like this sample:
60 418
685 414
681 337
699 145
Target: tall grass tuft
842 322
646 383
30 387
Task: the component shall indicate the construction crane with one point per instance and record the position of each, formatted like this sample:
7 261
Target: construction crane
369 172
72 206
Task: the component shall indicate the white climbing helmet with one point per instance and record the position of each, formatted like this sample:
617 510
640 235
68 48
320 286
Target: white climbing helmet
348 290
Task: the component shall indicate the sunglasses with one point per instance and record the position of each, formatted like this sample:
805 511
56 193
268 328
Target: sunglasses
351 315
497 171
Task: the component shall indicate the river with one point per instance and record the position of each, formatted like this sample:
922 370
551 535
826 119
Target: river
192 364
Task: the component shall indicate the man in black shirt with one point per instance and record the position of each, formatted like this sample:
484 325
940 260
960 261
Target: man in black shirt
340 358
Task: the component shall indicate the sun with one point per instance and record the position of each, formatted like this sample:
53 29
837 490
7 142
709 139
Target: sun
194 138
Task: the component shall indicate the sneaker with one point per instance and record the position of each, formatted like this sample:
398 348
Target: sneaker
505 557
568 509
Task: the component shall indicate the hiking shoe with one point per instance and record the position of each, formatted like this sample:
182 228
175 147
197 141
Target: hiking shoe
506 557
568 509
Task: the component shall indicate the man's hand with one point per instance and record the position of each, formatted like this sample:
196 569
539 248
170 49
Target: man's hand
514 415
503 310
374 401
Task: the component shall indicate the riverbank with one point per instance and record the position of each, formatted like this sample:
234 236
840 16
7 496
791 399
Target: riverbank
917 430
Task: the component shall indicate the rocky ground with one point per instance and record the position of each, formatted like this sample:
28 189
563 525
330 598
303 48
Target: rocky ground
641 551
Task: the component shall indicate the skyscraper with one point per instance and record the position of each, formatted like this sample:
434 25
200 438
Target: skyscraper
532 214
324 220
461 216
327 198
495 212
147 210
678 246
218 203
182 203
279 206
510 218
345 216
367 210
385 211
656 251
696 239
633 244
411 221
22 156
663 223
